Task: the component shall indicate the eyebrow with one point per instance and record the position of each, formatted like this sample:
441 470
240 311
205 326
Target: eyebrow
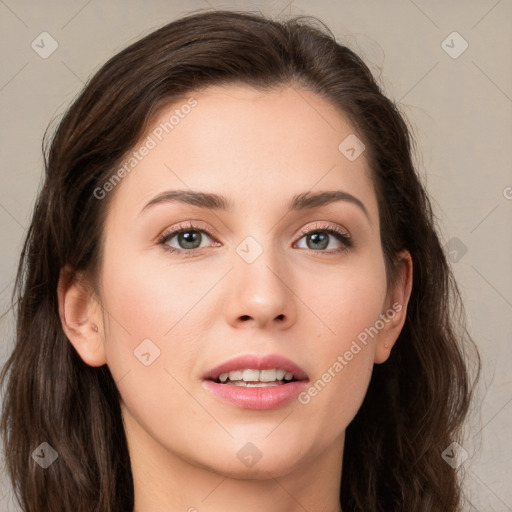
305 200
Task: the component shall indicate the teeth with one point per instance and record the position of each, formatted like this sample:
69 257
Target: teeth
248 376
268 375
236 375
254 384
259 378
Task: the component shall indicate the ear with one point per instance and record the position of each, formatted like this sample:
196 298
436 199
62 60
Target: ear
393 316
81 318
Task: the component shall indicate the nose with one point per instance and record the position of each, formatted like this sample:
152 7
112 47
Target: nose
261 293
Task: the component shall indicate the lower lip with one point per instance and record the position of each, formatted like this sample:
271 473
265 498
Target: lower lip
264 398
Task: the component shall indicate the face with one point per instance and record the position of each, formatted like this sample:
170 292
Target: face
261 277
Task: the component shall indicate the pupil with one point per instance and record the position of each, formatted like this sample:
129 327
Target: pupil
319 237
189 238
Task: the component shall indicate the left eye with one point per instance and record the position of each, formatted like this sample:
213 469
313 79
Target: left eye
321 239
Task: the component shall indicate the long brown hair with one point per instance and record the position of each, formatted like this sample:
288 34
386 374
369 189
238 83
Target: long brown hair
416 401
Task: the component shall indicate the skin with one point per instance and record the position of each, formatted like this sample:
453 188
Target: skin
258 149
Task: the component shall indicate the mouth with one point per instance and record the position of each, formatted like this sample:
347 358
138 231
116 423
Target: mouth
252 378
257 371
256 382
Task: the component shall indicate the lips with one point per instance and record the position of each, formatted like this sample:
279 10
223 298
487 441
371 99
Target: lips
254 362
262 396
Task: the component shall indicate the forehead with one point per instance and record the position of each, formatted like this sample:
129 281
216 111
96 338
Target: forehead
246 144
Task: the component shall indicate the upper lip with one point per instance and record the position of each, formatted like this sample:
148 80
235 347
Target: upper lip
257 362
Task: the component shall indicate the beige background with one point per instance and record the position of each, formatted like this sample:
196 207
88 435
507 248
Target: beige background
460 109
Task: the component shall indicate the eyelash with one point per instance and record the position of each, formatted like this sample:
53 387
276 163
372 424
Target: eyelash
338 233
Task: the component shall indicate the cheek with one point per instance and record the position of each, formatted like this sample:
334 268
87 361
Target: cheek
153 328
345 299
147 307
150 298
347 308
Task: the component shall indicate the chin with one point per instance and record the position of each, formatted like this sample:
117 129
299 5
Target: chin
251 463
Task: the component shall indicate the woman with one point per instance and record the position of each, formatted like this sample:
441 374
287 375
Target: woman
232 291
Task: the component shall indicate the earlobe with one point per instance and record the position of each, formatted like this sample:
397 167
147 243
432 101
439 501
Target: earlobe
80 317
396 312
